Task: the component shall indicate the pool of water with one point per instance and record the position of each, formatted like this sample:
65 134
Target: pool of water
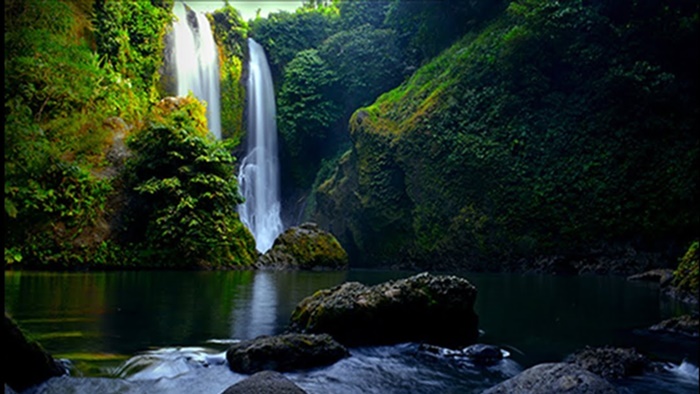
166 331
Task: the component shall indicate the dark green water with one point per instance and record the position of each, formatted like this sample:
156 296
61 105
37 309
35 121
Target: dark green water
99 320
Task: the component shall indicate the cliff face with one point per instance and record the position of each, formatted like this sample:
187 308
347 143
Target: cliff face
558 129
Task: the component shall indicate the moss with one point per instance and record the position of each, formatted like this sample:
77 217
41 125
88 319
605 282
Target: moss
305 247
687 276
230 34
524 139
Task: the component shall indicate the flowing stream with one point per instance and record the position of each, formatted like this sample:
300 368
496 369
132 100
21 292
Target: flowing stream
259 177
197 63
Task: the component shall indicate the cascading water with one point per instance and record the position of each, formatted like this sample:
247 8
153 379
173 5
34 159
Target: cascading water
197 63
259 172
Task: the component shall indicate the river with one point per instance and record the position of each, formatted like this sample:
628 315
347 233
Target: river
154 331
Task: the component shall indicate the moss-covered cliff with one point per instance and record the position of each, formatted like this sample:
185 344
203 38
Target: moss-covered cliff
560 128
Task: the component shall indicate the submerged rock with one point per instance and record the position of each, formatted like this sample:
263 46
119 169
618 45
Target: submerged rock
305 247
554 378
284 353
26 364
610 362
685 325
266 382
424 308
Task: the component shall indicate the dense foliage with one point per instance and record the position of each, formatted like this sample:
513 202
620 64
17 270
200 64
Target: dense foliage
530 138
57 95
230 33
183 212
130 38
284 34
81 77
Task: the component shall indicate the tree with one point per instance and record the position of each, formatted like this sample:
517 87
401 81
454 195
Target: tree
182 211
307 109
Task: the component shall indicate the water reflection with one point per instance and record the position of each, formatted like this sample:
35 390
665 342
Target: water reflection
257 314
104 318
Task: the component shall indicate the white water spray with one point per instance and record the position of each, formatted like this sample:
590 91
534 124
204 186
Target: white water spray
259 178
197 63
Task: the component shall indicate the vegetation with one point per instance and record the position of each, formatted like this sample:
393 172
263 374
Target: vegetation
686 277
230 34
183 212
81 77
284 34
525 128
526 139
57 96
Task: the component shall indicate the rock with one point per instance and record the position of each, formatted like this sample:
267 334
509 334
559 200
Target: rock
284 353
305 247
266 382
554 378
686 325
686 278
423 308
26 363
483 354
609 362
660 276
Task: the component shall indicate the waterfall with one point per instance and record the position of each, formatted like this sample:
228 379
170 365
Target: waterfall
197 62
259 172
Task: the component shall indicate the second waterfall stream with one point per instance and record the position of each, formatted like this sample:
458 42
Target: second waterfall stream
259 178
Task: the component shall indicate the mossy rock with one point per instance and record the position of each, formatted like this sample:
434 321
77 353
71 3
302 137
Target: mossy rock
686 278
288 352
438 310
306 247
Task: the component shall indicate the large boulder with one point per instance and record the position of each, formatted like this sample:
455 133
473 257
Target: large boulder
424 308
287 352
610 362
305 247
266 382
554 378
26 363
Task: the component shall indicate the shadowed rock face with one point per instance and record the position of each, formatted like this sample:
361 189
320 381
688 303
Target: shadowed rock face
424 308
284 353
26 363
266 382
305 247
554 378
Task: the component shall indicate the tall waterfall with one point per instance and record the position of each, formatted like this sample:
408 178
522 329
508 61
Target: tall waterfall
197 62
259 177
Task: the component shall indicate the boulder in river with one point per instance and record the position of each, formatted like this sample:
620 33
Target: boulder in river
26 364
685 325
610 362
423 308
265 382
305 247
286 352
554 378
